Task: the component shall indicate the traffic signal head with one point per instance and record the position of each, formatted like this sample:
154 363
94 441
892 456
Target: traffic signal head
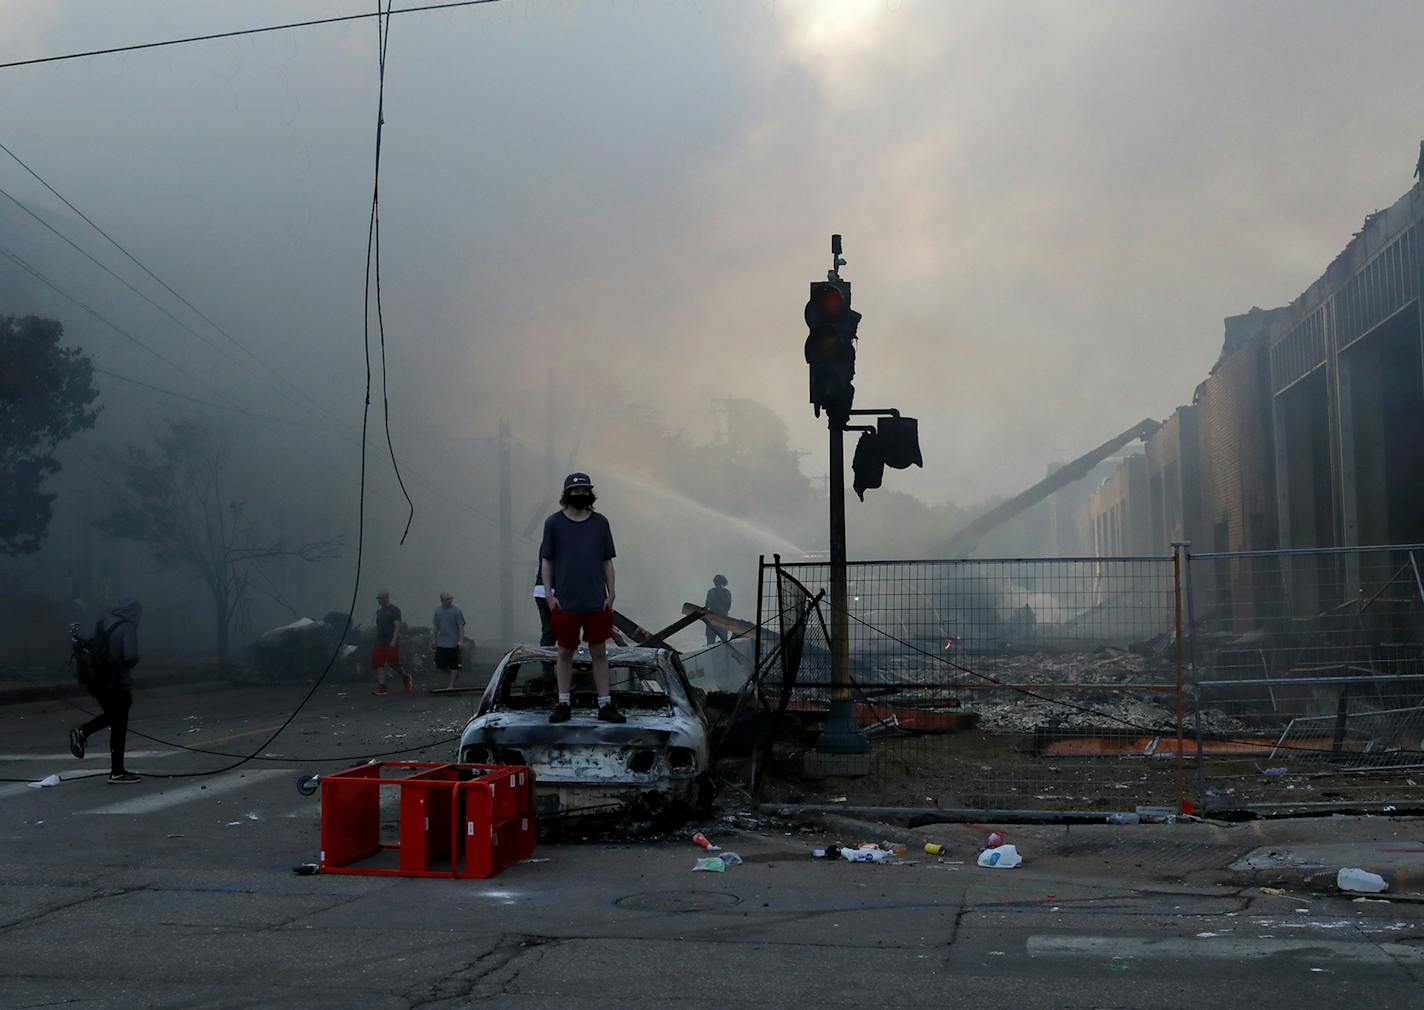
868 464
900 441
830 346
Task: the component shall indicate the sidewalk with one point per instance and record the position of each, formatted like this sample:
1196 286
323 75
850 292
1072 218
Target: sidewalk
1302 854
16 689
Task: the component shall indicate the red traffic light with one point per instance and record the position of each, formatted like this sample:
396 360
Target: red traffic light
832 302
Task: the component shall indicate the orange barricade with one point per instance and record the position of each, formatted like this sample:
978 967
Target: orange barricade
490 806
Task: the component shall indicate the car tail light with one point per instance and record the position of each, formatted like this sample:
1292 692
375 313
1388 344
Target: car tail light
681 758
642 761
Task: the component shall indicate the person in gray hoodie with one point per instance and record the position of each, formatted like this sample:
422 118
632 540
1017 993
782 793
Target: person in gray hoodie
113 690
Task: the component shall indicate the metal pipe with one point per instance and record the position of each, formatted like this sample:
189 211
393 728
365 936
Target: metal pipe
1307 551
1287 681
1160 558
946 815
1400 806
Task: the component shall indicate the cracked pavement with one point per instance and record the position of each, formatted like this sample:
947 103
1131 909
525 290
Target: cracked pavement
187 899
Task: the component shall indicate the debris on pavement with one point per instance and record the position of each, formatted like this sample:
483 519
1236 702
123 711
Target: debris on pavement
1274 892
712 864
44 783
731 859
994 840
702 842
934 848
876 855
305 869
1005 857
1352 878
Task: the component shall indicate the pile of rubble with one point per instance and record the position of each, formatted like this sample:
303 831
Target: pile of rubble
1104 690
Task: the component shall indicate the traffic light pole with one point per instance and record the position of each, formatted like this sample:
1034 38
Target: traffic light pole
841 735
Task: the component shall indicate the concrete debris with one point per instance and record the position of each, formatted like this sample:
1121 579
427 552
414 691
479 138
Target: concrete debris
1352 878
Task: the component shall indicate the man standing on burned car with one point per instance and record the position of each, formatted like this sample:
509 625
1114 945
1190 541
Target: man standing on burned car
576 561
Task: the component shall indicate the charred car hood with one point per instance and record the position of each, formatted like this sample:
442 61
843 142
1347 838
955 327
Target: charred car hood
514 728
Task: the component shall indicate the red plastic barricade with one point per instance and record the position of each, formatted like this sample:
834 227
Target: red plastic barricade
488 807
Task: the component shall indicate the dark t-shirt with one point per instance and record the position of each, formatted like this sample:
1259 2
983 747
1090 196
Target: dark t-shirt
387 618
576 552
719 600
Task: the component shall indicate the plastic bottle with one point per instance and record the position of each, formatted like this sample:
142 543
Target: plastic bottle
1352 878
1124 818
864 855
1005 857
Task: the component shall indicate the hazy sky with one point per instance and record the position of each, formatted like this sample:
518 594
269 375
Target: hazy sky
1047 208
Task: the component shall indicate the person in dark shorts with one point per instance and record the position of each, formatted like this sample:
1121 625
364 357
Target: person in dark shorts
719 601
385 653
447 634
117 633
576 562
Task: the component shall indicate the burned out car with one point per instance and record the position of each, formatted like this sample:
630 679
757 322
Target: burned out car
647 770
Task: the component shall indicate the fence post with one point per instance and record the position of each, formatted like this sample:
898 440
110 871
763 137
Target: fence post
756 635
1177 548
756 676
1191 655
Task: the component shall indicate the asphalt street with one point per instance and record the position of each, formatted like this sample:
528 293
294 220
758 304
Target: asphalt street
180 893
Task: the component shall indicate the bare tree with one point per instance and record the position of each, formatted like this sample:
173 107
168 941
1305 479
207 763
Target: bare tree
174 501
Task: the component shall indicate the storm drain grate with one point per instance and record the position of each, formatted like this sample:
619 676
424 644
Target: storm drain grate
678 901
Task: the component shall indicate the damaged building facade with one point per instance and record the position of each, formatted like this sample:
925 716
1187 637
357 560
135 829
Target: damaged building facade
1307 432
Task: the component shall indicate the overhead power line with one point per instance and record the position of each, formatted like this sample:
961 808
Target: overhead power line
243 31
92 259
39 276
198 399
270 370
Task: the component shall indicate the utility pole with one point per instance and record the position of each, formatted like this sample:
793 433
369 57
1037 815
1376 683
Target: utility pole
506 541
841 735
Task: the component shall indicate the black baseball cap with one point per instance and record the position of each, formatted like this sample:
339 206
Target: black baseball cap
574 480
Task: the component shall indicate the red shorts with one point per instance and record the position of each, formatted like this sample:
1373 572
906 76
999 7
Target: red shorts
597 627
385 655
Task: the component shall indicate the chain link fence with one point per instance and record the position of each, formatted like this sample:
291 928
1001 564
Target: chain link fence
1043 684
1308 674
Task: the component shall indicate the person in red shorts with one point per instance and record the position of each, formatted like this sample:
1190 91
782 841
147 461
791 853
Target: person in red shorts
386 651
576 561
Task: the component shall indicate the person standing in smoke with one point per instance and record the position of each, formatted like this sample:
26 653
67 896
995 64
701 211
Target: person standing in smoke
447 635
386 650
576 563
116 654
719 601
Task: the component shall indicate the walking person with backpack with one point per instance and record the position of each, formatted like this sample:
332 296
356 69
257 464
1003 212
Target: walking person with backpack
107 663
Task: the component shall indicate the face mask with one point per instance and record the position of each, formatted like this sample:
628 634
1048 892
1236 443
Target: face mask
579 501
